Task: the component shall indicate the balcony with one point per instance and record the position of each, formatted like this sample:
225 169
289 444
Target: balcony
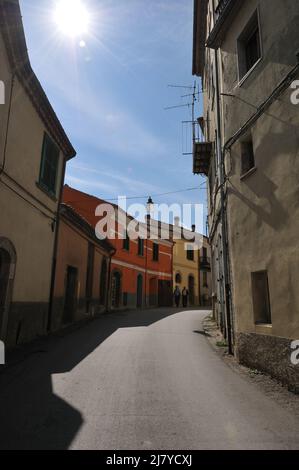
220 9
202 154
224 15
205 262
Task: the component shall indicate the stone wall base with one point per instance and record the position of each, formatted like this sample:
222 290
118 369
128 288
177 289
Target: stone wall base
268 354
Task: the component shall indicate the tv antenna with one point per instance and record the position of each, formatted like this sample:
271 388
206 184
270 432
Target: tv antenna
195 93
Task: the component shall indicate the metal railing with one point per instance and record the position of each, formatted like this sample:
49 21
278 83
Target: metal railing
205 261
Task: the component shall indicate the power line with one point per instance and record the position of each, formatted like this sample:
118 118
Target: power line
201 187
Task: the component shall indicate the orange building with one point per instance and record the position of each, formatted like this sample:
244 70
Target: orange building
141 269
82 271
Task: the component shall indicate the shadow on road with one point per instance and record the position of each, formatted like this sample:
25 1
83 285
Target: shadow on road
31 415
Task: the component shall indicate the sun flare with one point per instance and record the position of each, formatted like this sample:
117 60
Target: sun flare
71 17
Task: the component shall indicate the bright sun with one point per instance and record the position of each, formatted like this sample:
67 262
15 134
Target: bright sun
71 17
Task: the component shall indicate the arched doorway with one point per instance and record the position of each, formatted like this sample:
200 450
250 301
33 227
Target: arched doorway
103 282
139 290
191 288
7 273
115 289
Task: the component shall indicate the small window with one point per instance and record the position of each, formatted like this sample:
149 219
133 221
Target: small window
155 252
140 246
190 254
261 298
49 166
249 46
126 242
247 157
178 278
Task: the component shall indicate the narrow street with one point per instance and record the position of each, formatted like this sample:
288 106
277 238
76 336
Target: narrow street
137 380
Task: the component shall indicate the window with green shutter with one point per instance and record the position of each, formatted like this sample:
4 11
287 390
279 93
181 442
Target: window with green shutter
49 166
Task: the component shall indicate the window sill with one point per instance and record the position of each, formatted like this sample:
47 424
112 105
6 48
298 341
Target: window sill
249 73
248 173
44 190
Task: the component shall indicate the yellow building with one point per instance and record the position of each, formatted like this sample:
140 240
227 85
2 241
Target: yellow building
186 267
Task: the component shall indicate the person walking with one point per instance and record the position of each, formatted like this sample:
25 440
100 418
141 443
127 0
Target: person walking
185 295
177 296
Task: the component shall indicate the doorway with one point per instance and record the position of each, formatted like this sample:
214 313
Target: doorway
5 262
139 290
191 286
8 260
70 295
165 298
103 283
115 289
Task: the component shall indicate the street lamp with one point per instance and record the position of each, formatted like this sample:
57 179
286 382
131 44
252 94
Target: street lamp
149 210
149 206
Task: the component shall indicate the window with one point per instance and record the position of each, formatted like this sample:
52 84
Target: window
49 166
126 242
249 46
205 279
178 278
247 157
261 297
140 246
190 253
155 252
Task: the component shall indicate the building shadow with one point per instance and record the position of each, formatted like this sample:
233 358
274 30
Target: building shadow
32 416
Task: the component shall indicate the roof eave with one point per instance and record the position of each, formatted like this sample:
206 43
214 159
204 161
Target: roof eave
199 37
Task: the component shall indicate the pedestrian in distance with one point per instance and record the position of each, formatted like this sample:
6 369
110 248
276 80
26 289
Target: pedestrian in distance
177 296
185 295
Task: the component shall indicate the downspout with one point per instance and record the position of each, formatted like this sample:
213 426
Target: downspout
2 168
221 170
109 283
54 260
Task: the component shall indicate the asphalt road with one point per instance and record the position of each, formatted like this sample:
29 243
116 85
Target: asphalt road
140 380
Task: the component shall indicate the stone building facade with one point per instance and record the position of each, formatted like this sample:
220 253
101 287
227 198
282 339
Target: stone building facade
246 53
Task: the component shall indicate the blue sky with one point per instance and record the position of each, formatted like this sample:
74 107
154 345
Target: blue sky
110 95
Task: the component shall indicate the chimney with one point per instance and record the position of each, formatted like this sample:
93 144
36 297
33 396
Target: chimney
177 221
193 228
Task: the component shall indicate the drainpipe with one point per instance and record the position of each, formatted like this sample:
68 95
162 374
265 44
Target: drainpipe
109 283
221 171
2 168
55 227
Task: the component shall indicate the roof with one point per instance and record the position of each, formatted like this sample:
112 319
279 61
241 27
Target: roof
11 27
76 220
86 204
199 36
